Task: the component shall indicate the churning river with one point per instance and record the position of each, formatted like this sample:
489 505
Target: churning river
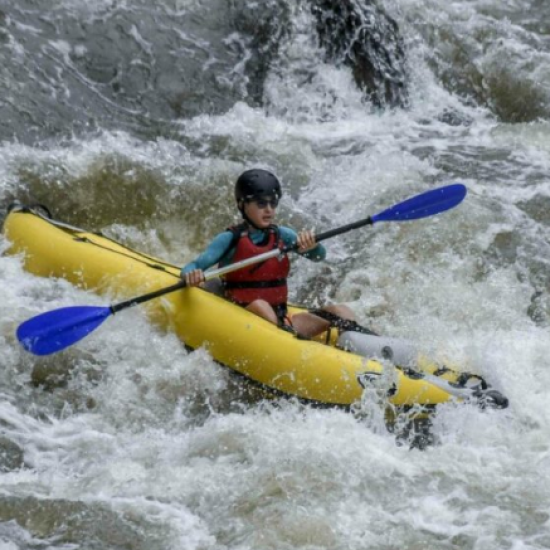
135 118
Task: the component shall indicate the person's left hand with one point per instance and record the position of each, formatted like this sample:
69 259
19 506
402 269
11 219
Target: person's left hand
306 241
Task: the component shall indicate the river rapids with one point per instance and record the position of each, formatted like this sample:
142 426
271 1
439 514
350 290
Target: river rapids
135 118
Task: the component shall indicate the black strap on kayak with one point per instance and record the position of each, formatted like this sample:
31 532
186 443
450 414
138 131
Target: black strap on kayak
463 378
340 323
255 284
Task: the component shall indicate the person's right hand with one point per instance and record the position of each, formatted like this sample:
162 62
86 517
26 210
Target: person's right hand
194 278
306 241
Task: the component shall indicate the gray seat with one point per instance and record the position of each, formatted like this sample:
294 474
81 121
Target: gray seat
215 286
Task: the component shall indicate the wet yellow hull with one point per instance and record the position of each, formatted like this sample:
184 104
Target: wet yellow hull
245 343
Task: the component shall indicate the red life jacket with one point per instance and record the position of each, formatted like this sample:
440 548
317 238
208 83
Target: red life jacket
266 280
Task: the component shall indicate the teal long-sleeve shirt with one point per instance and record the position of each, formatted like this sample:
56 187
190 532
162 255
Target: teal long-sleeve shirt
220 251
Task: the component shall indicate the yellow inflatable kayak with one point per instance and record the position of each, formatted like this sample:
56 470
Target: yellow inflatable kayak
328 371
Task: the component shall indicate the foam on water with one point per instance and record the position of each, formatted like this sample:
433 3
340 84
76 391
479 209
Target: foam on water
138 431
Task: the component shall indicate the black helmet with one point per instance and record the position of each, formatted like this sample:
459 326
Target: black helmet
257 183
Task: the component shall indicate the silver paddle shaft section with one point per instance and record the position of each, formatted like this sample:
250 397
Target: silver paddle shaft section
207 276
259 258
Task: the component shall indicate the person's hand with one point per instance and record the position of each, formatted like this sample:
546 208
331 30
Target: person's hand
306 241
194 278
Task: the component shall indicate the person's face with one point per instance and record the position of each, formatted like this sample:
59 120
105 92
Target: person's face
261 211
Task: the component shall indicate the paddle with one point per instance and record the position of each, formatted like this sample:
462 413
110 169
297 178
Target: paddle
56 330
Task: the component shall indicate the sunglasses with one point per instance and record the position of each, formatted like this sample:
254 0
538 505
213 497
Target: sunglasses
263 203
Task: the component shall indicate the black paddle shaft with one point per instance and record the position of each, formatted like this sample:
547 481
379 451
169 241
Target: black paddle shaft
146 297
343 229
333 232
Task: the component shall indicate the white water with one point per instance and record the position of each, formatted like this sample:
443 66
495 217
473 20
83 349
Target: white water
157 445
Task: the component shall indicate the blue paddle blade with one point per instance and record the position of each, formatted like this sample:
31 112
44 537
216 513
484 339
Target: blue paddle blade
424 205
56 330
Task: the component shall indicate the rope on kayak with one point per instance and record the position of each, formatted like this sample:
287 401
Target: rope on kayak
161 266
43 212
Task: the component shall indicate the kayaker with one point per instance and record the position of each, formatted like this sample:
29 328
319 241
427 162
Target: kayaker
262 288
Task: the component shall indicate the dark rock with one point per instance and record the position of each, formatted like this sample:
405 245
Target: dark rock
359 34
